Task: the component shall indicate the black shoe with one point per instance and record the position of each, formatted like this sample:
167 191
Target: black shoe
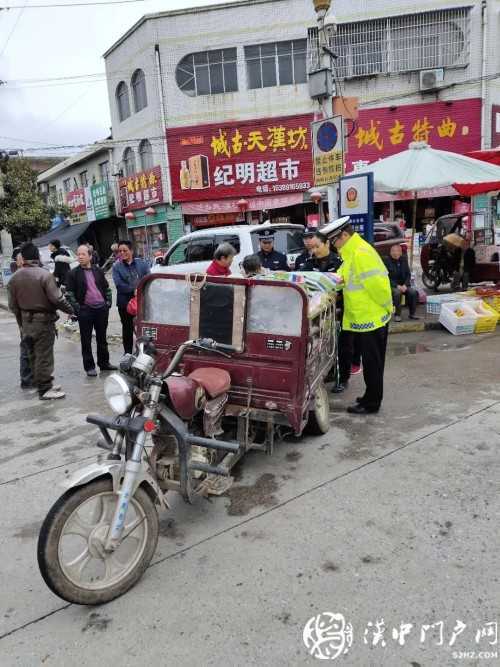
92 373
109 367
361 410
414 317
360 399
339 388
27 385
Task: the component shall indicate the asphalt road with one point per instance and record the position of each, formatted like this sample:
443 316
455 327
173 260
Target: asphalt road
391 517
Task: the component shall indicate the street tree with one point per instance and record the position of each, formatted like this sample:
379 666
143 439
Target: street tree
23 213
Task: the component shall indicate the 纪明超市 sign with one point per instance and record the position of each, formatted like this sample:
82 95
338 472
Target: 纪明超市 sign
449 126
240 159
141 190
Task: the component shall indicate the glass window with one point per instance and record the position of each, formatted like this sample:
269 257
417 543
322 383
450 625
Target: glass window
129 162
287 241
84 179
208 72
277 63
122 101
276 310
228 238
178 255
139 90
67 185
146 155
201 249
104 172
166 301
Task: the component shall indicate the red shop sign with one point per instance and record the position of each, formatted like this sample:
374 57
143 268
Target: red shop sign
450 126
141 190
76 201
241 159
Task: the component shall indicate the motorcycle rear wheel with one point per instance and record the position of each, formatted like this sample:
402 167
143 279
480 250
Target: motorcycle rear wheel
432 279
319 416
83 573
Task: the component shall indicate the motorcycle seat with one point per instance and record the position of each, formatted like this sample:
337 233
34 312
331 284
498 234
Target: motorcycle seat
215 381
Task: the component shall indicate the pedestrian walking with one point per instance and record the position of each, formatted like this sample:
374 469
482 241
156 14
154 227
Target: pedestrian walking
34 298
62 261
90 296
126 275
270 258
367 308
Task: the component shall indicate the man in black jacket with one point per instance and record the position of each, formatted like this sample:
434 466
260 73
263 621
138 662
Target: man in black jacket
309 243
88 292
323 258
400 277
62 261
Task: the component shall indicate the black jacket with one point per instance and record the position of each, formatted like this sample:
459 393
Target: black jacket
61 266
399 271
76 286
301 261
330 263
274 261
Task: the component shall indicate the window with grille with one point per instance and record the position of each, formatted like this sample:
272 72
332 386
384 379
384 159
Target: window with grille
139 90
276 64
208 72
84 179
397 44
146 155
122 101
128 162
67 184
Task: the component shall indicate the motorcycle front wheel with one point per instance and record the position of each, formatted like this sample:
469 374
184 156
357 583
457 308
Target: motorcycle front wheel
71 554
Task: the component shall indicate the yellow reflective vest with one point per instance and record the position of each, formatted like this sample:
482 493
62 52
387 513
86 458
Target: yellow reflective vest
367 290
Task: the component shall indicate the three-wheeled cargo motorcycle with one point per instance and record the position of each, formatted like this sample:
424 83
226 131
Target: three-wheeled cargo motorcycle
221 366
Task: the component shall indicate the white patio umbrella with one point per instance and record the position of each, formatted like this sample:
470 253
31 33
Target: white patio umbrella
422 167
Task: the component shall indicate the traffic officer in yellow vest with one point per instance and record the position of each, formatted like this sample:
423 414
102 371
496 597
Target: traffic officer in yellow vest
367 307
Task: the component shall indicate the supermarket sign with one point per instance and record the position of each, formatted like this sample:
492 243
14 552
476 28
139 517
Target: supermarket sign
141 190
241 159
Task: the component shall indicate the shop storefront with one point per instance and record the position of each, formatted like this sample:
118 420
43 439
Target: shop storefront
452 126
238 172
152 225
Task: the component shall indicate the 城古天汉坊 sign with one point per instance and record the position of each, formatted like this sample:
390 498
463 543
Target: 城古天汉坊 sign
270 156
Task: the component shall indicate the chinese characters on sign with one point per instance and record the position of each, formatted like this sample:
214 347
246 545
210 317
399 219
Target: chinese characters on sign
328 150
453 126
76 201
328 636
99 195
141 190
234 160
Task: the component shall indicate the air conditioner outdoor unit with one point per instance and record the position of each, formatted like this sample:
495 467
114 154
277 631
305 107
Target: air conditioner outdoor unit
431 79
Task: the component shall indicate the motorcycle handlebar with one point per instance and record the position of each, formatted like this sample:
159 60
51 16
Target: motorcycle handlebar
213 345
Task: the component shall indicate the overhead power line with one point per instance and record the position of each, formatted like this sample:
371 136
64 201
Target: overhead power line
72 4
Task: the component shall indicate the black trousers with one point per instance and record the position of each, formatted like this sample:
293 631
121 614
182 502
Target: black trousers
127 329
373 347
90 319
24 363
349 354
411 296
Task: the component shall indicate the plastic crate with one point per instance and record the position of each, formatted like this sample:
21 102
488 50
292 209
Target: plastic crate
458 326
434 302
487 317
489 296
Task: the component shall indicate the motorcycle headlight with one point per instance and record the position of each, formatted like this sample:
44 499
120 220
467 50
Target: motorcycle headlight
117 393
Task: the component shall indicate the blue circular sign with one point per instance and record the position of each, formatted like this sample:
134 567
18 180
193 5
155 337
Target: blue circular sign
327 137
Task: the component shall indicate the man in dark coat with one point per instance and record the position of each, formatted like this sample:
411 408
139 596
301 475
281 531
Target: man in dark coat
400 277
88 292
309 243
270 258
34 298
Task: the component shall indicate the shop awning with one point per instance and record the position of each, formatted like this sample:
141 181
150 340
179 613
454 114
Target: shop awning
265 202
67 235
492 156
470 189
